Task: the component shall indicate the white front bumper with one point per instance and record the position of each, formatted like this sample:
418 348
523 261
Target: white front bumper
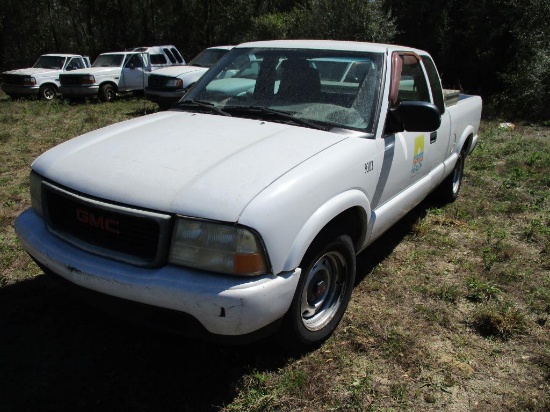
224 305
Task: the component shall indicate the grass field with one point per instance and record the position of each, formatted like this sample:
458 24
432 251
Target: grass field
450 312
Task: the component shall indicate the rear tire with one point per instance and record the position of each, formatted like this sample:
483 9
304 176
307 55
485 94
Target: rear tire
47 92
447 191
107 93
322 294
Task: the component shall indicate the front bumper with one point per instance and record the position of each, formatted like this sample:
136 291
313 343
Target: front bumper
164 97
11 89
79 91
224 305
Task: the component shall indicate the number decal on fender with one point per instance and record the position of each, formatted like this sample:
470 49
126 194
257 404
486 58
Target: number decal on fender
369 167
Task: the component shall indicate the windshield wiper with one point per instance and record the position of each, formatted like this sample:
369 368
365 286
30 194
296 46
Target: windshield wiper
203 105
273 113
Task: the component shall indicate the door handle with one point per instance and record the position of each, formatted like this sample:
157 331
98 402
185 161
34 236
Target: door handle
433 137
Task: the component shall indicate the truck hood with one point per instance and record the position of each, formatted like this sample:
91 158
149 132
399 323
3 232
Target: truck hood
193 164
31 71
176 71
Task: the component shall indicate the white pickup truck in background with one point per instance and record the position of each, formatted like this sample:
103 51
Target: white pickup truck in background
166 86
242 209
118 72
162 56
42 79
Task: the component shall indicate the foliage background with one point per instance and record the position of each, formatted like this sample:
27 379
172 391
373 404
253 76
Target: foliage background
499 49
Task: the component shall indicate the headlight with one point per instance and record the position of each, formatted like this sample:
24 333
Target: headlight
174 83
29 81
89 79
217 247
36 192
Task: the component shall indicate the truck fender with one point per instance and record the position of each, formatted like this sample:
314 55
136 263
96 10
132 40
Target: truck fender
111 82
458 146
469 131
336 206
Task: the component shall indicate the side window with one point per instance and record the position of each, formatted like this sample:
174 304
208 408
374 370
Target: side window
177 55
75 63
158 59
134 61
413 84
170 55
435 83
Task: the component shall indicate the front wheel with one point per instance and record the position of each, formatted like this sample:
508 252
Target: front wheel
47 92
323 293
107 93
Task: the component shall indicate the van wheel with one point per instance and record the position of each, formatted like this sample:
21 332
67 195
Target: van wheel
47 92
447 191
323 293
107 93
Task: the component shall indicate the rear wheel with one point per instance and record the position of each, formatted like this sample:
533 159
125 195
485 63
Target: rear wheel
107 93
323 292
47 92
448 190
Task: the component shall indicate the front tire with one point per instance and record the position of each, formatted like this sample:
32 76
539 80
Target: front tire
47 92
322 294
107 93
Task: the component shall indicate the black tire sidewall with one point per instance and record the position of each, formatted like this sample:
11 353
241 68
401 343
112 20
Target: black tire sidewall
43 90
104 93
445 193
294 331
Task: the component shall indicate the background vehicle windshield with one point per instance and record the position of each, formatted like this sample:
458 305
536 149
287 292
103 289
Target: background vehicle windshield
331 88
50 62
208 57
109 60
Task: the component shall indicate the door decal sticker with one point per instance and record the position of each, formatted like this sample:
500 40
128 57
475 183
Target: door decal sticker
418 158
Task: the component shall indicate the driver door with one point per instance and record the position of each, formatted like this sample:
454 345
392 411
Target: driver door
406 154
135 72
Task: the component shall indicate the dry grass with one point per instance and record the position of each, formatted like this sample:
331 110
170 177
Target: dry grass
450 311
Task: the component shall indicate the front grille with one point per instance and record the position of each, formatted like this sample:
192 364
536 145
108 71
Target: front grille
13 79
156 81
71 79
126 234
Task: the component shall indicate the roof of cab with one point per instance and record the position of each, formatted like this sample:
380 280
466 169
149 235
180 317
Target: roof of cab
330 45
62 55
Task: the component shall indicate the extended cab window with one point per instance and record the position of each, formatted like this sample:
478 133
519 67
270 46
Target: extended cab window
413 84
177 55
158 59
170 55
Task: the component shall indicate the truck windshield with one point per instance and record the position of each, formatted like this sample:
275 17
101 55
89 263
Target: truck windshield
50 62
327 88
109 60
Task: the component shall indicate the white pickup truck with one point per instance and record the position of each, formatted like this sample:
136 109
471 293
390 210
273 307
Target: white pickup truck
242 210
166 86
118 72
42 79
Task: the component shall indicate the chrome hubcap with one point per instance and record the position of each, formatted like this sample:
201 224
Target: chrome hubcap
322 294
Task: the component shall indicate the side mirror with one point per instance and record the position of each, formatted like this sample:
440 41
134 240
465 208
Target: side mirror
413 116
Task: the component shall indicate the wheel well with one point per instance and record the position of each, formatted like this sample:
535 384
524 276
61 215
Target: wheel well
49 84
467 144
352 222
111 83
